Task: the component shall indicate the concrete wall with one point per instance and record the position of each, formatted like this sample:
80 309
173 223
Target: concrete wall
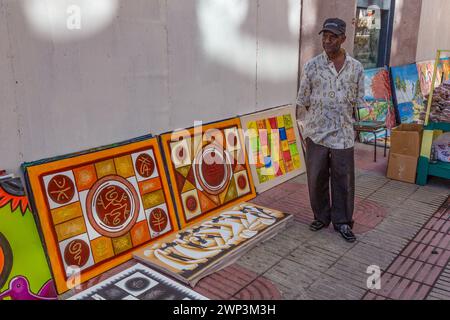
314 14
152 66
405 30
434 29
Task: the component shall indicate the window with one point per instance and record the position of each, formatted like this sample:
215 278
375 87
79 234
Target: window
373 32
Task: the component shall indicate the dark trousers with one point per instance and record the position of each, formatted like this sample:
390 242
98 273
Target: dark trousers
327 166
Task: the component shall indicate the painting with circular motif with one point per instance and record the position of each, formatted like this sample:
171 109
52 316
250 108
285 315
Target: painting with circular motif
112 206
202 164
97 206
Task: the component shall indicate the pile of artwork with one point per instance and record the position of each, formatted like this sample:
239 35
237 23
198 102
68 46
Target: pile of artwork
177 202
138 283
211 183
378 98
440 105
408 95
274 147
410 84
97 207
24 271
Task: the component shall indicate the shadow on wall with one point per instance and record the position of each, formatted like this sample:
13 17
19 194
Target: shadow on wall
88 73
237 56
229 38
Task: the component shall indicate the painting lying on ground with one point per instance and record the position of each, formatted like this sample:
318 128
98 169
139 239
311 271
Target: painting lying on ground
200 249
379 105
274 147
24 271
408 94
208 169
139 283
95 208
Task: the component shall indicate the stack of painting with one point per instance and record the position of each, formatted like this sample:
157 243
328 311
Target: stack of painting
211 183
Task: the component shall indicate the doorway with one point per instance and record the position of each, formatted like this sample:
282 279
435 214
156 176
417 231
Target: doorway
374 21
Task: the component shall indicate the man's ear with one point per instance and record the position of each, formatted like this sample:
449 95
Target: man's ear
343 38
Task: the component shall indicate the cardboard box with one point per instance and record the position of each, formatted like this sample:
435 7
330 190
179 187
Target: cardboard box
406 139
402 167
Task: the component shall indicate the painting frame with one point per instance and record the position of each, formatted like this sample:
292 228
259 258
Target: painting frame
250 122
38 187
193 145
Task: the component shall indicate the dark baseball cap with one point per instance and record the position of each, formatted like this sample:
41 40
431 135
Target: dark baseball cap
335 25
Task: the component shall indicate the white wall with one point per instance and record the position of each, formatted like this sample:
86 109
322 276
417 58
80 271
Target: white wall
135 67
434 29
315 12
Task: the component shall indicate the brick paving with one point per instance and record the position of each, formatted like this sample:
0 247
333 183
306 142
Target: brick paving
419 267
402 228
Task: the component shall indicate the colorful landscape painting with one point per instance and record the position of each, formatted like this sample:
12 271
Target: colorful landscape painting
378 97
408 94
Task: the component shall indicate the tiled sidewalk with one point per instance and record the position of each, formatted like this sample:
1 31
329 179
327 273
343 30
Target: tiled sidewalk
399 229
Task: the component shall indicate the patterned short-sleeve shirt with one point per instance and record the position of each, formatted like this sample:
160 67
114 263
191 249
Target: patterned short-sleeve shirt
331 97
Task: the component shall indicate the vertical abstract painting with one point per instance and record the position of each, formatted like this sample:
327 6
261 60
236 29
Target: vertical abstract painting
274 147
378 97
208 169
96 207
426 70
445 66
408 94
24 271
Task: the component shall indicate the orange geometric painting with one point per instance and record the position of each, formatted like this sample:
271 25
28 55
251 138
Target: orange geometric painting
97 207
208 169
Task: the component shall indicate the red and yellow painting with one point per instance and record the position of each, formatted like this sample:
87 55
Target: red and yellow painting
96 208
208 169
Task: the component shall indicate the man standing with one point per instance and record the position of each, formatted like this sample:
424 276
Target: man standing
332 85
